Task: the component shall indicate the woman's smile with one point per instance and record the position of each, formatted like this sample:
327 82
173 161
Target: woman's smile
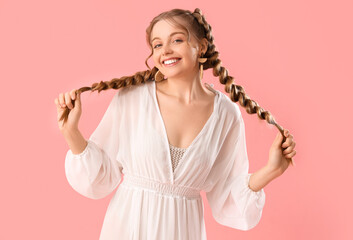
171 62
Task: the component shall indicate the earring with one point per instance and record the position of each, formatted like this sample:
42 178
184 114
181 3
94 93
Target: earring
202 60
158 76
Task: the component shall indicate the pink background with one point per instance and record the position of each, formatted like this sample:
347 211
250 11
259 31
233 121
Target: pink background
293 57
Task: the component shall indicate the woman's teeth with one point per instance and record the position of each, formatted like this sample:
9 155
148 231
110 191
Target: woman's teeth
167 62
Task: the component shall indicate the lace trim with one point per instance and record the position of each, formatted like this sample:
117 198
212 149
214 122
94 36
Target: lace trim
176 154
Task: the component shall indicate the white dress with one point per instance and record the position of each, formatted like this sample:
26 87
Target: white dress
153 201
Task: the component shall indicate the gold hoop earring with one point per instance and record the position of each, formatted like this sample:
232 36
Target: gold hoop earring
202 60
158 76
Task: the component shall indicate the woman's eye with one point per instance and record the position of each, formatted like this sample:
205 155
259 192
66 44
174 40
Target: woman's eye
179 40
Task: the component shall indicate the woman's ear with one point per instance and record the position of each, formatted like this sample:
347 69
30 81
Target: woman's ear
204 45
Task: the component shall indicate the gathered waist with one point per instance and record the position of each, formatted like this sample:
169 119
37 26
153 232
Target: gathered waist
169 189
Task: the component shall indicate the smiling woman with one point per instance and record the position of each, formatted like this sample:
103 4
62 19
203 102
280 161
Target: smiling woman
171 137
174 47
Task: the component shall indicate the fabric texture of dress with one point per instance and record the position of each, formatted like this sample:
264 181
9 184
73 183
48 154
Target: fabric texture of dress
130 146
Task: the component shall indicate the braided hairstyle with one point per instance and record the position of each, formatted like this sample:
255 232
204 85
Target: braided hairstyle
194 23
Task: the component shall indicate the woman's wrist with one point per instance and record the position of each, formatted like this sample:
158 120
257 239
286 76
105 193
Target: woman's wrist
77 143
262 177
273 172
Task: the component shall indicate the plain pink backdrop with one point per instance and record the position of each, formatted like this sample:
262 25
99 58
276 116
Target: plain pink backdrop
293 57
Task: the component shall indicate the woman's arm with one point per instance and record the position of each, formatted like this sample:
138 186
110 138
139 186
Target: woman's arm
278 162
262 177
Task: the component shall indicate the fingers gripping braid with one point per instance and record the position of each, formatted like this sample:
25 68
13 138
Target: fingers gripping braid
115 83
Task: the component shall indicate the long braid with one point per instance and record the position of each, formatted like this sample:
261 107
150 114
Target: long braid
115 83
236 92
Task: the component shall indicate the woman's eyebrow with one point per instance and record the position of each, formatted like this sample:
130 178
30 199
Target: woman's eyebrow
169 35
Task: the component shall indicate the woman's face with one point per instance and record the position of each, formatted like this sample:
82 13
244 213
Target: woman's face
170 43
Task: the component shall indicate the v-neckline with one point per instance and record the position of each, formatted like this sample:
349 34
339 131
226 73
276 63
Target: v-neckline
181 161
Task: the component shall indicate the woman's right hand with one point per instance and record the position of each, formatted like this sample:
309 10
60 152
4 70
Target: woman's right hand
63 102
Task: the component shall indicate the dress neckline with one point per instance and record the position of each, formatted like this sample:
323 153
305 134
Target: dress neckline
190 147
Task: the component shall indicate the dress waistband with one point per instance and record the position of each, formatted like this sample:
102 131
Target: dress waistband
158 187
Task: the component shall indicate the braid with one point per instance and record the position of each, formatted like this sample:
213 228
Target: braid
115 83
236 92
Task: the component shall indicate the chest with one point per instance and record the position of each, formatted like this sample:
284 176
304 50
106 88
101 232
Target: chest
183 122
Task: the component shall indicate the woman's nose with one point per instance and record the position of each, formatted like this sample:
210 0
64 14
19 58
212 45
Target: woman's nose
166 49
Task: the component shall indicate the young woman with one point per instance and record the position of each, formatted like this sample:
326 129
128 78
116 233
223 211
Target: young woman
171 137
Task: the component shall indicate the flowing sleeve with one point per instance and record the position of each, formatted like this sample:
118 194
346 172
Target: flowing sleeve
233 203
95 172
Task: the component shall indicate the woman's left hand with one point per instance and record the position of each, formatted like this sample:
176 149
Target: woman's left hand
280 154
